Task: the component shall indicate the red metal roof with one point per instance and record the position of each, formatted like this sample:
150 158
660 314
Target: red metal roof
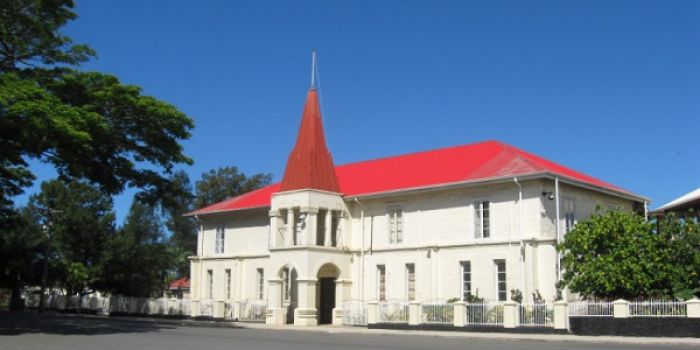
310 165
182 283
466 163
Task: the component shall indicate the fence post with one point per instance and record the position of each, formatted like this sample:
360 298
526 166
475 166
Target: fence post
621 308
692 308
194 308
510 314
414 312
460 310
560 317
219 309
372 309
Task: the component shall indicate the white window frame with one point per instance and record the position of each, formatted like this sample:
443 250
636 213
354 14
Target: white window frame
569 204
227 273
478 211
395 218
462 264
410 284
497 276
261 283
381 282
219 239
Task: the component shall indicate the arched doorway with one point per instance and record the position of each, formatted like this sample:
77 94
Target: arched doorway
288 275
327 276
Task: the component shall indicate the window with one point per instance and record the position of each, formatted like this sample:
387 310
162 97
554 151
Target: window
261 284
299 225
220 237
501 279
482 219
466 280
410 282
381 282
289 284
395 225
335 227
210 283
569 214
228 284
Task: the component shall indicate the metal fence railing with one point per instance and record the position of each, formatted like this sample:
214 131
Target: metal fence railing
437 312
484 314
252 310
393 311
536 315
658 308
590 308
355 313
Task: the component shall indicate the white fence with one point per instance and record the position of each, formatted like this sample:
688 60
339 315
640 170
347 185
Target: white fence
437 312
393 311
355 313
251 310
591 309
484 314
116 304
658 308
536 315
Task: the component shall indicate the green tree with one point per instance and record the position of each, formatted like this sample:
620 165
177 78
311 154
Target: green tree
183 229
138 259
22 244
617 254
226 182
78 231
87 124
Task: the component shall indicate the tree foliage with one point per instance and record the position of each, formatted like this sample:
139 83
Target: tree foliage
226 182
617 254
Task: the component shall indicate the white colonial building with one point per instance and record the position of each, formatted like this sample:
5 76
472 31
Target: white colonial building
479 219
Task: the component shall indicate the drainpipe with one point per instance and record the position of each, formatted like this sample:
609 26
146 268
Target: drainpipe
520 234
558 225
362 251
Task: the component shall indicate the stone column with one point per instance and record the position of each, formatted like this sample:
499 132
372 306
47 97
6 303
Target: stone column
305 313
275 313
342 289
414 313
561 317
510 314
460 311
327 231
289 238
372 312
621 308
692 308
274 218
309 232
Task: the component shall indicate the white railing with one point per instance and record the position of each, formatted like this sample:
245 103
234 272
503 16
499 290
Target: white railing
658 308
393 311
484 314
355 313
536 315
590 308
252 310
206 308
230 309
437 312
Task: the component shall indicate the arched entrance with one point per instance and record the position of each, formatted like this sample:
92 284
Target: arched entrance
327 276
288 275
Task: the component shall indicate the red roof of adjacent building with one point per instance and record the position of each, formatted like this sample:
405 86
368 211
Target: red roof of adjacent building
310 165
467 163
182 283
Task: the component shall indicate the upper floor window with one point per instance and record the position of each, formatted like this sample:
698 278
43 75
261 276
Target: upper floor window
220 240
569 214
482 219
395 225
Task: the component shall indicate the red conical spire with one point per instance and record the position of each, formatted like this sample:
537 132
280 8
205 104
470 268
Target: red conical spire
310 165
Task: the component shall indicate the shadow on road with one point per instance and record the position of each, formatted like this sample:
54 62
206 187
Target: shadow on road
17 323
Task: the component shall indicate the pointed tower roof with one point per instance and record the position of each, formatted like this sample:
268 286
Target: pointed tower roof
310 165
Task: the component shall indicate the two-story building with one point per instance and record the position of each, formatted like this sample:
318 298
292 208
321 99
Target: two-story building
479 219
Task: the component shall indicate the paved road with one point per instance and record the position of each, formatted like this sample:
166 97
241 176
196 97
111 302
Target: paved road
31 331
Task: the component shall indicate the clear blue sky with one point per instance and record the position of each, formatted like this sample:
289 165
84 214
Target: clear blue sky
610 88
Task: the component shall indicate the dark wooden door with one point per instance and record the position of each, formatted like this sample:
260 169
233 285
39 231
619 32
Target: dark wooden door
327 300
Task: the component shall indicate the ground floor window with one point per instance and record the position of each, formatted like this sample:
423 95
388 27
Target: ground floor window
466 279
410 282
261 283
228 284
381 282
210 284
501 279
